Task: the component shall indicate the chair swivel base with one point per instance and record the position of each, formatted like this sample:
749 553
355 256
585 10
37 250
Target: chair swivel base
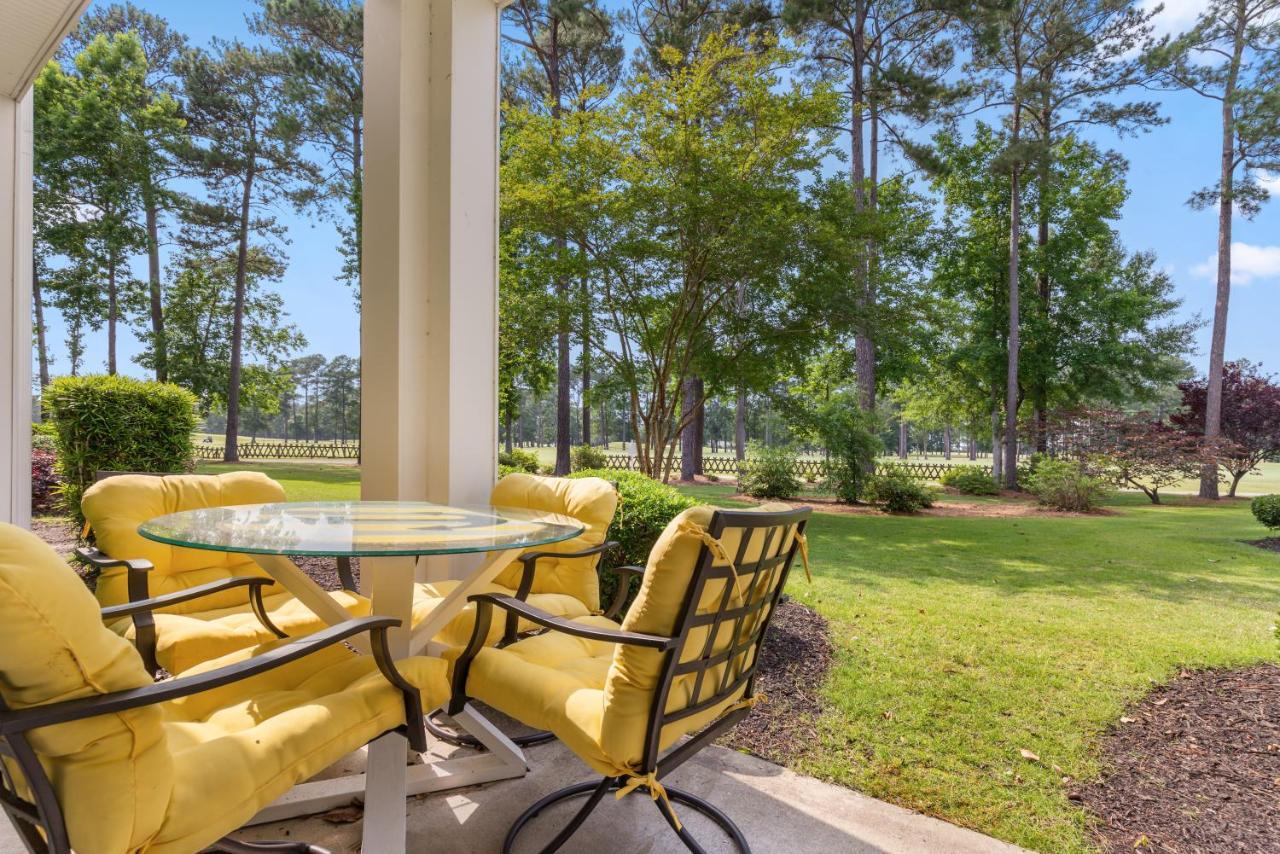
462 739
596 791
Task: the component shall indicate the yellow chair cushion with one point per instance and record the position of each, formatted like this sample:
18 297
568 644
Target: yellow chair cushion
427 597
113 773
596 697
185 640
590 500
249 742
116 506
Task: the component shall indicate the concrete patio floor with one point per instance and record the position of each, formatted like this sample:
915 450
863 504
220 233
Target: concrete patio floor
778 811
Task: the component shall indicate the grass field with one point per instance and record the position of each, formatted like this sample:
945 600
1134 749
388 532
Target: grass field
964 640
302 481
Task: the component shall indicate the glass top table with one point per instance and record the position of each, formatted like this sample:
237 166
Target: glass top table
360 529
388 537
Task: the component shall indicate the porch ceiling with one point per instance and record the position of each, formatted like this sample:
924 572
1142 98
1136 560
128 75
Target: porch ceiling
30 31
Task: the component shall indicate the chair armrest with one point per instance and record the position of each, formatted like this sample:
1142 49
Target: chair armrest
485 603
22 720
157 602
624 574
530 565
101 560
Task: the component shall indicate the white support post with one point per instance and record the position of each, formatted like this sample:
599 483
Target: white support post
15 309
429 302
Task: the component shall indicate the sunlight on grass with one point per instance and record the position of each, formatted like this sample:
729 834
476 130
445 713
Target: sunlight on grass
301 481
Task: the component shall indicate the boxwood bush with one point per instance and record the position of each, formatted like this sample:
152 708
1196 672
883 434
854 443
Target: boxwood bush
645 506
1067 485
894 491
525 461
1266 509
769 472
587 457
971 480
114 423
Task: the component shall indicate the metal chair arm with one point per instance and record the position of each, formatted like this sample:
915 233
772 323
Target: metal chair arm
202 590
530 562
22 720
624 574
101 560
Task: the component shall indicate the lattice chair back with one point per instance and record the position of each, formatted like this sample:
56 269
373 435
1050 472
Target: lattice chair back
712 581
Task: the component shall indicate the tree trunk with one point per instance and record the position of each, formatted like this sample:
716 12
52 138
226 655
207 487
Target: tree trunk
740 426
1235 482
510 426
902 440
231 448
973 446
160 346
42 350
1011 378
564 403
946 441
997 446
1218 343
586 363
690 401
113 313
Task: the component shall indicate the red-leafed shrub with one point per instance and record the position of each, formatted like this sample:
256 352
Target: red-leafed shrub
44 482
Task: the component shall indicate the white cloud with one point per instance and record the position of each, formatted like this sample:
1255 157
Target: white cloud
1248 263
1176 17
1270 182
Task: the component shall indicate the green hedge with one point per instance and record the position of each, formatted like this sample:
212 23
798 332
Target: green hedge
106 423
1266 509
971 480
519 460
644 509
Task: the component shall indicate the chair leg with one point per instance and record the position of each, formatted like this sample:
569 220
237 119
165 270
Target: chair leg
597 791
462 739
705 808
236 846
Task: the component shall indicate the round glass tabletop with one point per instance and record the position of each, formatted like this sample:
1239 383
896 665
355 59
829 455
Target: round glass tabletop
359 528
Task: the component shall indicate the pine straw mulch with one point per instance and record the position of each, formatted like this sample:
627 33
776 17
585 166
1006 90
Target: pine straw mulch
794 661
1194 767
1271 544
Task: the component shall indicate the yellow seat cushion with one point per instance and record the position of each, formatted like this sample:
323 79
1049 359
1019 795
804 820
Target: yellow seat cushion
116 506
112 773
592 501
427 597
185 640
176 776
249 742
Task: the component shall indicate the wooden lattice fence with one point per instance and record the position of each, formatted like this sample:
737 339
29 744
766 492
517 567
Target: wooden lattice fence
283 451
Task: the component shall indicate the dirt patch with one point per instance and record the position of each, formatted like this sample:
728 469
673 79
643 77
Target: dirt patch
1195 767
794 662
1271 544
1011 504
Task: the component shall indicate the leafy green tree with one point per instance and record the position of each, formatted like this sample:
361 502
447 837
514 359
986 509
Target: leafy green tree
246 152
1231 55
322 84
163 48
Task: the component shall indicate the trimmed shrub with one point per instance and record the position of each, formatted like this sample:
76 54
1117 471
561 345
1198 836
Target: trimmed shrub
769 472
971 480
895 492
645 506
849 435
587 457
1066 485
525 461
44 482
1266 509
106 423
504 470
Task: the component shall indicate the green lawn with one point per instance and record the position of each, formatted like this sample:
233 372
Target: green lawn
301 481
962 641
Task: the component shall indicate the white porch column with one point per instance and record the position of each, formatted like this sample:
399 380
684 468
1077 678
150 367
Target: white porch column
429 305
15 309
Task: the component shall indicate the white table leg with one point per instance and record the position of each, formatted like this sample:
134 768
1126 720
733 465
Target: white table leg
391 590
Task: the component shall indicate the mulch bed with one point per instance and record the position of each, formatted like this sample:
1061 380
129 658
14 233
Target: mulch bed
794 662
1194 767
1271 544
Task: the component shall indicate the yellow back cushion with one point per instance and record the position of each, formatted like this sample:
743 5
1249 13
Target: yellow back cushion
590 500
116 506
636 672
112 773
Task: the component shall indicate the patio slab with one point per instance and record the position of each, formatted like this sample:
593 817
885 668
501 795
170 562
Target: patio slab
778 810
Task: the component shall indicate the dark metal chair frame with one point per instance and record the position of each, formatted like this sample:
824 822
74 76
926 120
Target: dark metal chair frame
511 634
735 658
40 823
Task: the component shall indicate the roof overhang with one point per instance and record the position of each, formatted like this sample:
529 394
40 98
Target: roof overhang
30 32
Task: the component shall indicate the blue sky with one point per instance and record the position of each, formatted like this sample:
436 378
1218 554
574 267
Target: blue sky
1166 166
